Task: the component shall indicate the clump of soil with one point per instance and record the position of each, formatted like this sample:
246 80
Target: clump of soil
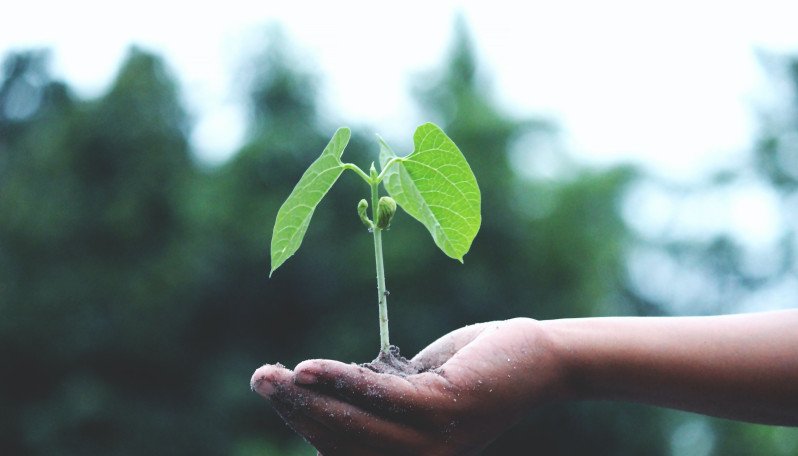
395 364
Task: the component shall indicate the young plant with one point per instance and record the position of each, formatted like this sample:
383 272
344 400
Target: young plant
434 184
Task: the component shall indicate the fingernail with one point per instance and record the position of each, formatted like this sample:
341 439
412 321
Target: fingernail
262 386
305 378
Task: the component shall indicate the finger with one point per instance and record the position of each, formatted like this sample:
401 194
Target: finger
437 353
313 432
276 383
269 377
294 412
335 427
331 425
385 394
373 430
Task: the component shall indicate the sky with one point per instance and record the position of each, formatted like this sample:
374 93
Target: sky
673 86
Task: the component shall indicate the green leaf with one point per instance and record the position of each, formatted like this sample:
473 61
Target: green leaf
435 185
294 215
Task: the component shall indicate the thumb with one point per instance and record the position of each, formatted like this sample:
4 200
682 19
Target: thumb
368 389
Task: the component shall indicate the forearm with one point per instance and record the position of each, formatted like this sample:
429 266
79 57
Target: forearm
742 367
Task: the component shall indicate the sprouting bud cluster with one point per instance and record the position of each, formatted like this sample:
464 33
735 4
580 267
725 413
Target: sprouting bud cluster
362 206
386 208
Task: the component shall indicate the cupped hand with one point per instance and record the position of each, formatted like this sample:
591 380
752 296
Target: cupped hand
476 382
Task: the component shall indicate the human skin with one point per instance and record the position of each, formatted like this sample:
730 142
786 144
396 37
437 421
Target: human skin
481 379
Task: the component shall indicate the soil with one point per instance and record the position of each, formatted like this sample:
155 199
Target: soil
394 363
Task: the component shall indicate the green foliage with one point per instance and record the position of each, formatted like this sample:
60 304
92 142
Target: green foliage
435 185
294 215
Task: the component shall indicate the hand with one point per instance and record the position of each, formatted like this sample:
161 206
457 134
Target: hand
478 381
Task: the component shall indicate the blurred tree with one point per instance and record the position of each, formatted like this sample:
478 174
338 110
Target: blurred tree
27 94
742 257
776 152
243 319
91 261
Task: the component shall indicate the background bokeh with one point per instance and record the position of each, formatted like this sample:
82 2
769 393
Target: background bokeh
135 301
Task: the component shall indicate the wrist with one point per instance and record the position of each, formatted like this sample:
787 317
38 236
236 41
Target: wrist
547 361
565 343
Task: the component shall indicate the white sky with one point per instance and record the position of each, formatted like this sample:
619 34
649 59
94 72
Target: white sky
671 85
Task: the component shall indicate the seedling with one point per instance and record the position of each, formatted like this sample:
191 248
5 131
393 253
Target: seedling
434 184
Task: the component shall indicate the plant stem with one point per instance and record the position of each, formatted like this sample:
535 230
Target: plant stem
357 171
382 293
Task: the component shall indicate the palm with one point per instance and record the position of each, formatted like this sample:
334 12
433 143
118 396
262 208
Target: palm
477 384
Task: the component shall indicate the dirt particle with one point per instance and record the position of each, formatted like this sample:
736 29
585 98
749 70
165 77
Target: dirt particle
393 363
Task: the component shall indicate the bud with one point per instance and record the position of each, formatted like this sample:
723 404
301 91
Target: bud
361 211
385 210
